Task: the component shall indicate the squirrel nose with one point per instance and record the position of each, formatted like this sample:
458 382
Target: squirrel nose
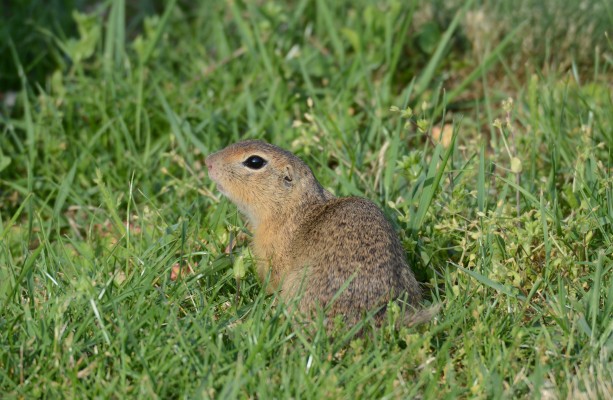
209 164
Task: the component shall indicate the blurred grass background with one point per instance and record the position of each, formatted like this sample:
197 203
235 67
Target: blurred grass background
109 107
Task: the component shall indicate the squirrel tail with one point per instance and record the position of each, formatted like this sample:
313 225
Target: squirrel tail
419 316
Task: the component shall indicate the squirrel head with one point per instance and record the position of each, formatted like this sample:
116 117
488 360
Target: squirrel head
263 180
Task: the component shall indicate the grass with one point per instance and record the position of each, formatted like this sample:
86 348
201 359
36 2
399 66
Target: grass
104 198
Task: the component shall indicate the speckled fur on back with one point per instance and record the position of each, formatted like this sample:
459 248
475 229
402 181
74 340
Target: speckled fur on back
350 239
309 240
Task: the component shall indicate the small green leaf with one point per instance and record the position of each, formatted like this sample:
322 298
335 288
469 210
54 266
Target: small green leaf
422 125
4 162
239 265
407 113
353 38
428 38
89 36
516 165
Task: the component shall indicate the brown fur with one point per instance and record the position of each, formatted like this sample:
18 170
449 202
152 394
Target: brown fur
310 242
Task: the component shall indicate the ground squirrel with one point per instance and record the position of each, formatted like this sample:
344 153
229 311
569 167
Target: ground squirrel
310 242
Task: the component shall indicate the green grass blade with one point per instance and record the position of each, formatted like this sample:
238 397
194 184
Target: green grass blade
109 202
63 191
174 121
331 28
490 283
28 265
170 5
115 36
484 66
431 184
392 155
595 307
429 71
481 189
546 241
6 227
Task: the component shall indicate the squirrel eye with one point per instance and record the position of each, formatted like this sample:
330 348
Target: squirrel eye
254 162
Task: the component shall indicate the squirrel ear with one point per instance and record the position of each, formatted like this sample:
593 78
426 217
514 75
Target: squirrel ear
289 175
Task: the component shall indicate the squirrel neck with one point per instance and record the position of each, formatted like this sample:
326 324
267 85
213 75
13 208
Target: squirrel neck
288 216
274 233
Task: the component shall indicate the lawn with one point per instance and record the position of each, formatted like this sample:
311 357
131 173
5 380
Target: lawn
483 129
